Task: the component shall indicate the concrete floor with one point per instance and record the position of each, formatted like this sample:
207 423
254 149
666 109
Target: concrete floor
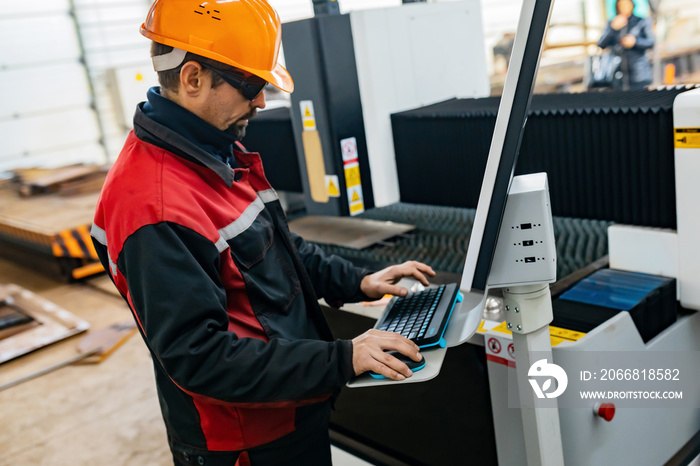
105 414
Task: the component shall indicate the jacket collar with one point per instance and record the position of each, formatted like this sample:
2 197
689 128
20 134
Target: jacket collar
148 130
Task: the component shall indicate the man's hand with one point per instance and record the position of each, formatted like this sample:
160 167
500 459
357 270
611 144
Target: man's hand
368 354
628 41
384 282
618 22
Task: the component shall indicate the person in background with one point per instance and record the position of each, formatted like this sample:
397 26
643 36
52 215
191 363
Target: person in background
630 37
195 239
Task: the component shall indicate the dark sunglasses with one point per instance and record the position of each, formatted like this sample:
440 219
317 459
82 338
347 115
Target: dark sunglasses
250 86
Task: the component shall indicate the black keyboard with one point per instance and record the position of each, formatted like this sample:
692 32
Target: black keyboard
422 316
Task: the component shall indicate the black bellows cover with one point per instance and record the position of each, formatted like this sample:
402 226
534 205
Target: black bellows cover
608 155
270 133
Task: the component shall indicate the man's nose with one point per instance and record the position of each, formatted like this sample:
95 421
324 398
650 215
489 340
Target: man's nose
259 101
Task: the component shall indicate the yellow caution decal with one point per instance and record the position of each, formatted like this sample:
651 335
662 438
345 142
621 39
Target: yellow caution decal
353 182
333 185
556 334
686 138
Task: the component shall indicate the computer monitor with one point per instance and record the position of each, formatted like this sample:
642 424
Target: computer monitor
505 144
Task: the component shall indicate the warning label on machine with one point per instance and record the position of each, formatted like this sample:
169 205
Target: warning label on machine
353 183
308 119
500 351
333 185
687 138
495 343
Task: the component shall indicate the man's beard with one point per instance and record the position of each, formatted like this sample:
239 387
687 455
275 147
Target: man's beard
237 129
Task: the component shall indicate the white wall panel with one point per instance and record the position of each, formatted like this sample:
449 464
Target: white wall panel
101 60
113 13
293 10
111 40
410 56
48 132
82 4
29 90
128 87
25 40
35 7
103 38
347 6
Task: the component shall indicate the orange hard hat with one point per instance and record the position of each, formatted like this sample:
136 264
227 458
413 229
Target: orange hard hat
245 34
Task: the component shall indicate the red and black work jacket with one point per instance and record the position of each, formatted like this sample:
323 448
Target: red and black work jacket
224 295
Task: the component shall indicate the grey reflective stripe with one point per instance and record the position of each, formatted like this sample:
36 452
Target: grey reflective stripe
242 223
101 236
268 195
221 245
112 265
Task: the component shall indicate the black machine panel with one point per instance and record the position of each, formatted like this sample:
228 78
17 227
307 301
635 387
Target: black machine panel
609 155
270 133
322 64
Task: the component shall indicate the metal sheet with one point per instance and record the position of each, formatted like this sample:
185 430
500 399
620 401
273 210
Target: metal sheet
355 233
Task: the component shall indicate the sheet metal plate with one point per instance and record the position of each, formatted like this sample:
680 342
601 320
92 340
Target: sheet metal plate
355 233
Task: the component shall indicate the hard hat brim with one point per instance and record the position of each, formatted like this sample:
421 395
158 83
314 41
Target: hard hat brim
278 76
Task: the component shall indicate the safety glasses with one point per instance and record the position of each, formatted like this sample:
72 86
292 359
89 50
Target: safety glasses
250 86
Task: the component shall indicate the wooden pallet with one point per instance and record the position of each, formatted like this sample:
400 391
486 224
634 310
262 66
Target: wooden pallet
54 323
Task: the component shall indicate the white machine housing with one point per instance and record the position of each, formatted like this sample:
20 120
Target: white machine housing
686 114
410 56
525 251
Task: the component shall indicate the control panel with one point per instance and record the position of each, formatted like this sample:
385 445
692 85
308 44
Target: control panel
525 252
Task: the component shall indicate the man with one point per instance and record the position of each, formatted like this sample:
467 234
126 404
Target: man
195 240
629 37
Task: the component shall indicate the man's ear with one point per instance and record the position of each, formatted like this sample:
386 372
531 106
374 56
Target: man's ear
192 78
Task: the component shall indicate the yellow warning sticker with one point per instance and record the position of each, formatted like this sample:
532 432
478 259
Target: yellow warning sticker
556 334
307 115
357 208
486 325
333 190
502 327
333 185
555 340
355 200
687 138
565 334
352 175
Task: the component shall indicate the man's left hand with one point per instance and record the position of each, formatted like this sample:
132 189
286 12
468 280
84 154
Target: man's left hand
628 41
384 282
